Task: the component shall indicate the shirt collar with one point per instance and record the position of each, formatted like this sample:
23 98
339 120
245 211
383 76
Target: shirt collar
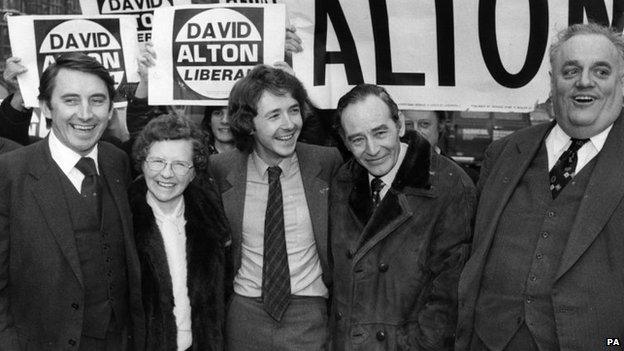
175 216
288 164
560 139
67 158
388 178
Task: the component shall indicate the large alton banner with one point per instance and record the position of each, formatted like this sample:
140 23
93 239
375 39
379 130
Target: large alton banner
38 40
203 50
142 10
485 55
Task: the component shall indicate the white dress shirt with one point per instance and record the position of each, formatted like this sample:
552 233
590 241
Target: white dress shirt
388 178
171 226
67 158
558 141
303 260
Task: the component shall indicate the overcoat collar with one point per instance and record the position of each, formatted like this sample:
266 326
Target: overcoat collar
415 177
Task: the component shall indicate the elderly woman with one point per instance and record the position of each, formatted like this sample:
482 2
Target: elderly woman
181 233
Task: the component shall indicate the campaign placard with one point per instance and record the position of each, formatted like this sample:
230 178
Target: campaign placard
38 40
487 55
142 10
203 50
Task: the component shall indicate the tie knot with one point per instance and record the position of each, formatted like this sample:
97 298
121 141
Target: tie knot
86 165
577 144
377 184
274 173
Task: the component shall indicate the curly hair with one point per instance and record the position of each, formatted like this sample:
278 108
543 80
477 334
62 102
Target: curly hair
244 97
171 127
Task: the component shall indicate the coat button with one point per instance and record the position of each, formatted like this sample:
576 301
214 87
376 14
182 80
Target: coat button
381 335
75 306
72 342
383 267
350 254
338 316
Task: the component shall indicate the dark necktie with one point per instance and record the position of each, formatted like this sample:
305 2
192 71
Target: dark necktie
90 188
275 271
564 169
376 185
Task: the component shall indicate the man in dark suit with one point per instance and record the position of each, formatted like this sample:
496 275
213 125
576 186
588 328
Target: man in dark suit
275 195
69 272
400 218
545 272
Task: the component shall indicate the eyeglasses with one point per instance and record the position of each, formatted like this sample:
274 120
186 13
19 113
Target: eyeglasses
180 168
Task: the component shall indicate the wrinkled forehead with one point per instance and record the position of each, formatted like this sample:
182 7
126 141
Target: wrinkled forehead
587 49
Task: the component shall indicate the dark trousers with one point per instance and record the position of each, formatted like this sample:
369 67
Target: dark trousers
303 326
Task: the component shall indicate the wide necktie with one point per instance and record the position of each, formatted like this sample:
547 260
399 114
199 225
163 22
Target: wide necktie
565 167
275 271
376 185
90 188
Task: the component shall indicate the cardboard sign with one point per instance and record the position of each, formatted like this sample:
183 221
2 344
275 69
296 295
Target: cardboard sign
487 55
142 10
38 40
203 50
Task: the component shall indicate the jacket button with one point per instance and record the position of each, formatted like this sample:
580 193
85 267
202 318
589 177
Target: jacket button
383 267
381 335
72 342
350 254
75 306
338 316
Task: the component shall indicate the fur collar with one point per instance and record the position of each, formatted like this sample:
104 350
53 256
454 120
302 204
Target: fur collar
414 172
206 234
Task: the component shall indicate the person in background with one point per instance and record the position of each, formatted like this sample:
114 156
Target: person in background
275 193
69 272
14 117
545 272
216 124
400 228
430 124
181 235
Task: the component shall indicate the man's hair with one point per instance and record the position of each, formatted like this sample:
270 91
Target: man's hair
360 93
171 127
76 61
586 29
246 93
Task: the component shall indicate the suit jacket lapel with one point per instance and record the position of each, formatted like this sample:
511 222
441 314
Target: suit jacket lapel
234 196
316 192
112 174
48 192
514 161
603 194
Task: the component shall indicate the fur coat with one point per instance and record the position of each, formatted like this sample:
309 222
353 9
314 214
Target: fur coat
206 236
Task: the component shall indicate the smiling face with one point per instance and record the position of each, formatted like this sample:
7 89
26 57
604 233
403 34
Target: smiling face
586 83
277 126
80 109
372 135
165 185
220 126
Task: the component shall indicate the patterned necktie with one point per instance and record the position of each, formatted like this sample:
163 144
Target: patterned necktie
564 169
376 185
275 271
90 188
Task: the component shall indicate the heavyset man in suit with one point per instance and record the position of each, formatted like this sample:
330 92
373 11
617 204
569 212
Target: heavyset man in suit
279 243
400 223
546 268
69 272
